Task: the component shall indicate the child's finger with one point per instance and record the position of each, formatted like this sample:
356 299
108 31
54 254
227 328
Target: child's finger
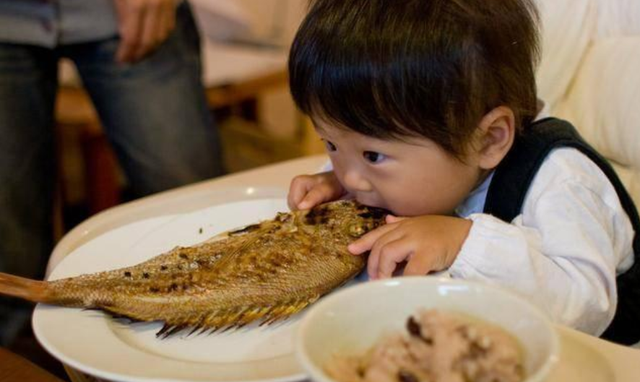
297 190
391 255
418 266
366 241
377 250
291 201
393 219
315 196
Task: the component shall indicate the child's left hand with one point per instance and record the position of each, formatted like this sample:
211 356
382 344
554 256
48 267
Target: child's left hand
427 243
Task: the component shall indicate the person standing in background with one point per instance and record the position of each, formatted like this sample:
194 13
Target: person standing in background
140 62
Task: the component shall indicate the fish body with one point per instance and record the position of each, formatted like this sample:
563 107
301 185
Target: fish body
266 271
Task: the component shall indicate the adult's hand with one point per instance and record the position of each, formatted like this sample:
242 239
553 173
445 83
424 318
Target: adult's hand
143 26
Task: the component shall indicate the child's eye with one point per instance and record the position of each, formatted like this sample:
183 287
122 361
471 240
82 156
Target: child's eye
373 156
330 146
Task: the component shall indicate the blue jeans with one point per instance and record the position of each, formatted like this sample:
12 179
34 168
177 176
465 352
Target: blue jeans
154 113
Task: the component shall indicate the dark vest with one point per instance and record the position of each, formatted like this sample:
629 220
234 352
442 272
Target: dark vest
511 182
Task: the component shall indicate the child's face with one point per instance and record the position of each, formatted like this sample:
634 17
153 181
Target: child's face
409 178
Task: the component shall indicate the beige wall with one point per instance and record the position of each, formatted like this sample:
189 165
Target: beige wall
277 19
279 16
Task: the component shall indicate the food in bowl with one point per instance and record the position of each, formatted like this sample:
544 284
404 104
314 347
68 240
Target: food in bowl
436 346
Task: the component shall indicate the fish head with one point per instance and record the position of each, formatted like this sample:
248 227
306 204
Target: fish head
346 219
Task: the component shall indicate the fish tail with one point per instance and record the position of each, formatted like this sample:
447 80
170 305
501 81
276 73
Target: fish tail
27 289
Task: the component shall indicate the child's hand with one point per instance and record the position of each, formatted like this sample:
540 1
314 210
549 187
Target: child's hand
427 243
307 191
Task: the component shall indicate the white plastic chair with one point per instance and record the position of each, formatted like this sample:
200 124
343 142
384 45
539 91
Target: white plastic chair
588 75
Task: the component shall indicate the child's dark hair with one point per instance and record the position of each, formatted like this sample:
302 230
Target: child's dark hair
430 68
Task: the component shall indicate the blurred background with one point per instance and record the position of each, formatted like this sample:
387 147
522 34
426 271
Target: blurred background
245 46
244 50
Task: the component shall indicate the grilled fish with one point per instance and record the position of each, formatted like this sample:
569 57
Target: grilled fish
263 272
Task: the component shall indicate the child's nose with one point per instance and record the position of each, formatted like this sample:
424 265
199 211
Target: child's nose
354 181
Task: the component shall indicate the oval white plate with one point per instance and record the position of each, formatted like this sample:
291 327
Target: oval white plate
98 345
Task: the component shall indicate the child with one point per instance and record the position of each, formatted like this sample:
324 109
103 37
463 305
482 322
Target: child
428 109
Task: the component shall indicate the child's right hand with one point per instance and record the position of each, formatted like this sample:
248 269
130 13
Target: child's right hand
307 191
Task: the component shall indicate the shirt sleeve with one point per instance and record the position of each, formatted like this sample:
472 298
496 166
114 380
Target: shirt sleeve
563 251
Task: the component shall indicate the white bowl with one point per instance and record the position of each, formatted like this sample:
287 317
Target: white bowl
351 320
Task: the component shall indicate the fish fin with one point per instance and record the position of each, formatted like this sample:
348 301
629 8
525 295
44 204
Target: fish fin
164 329
114 313
203 329
195 326
27 289
123 317
173 331
250 316
285 311
229 327
195 329
271 316
230 319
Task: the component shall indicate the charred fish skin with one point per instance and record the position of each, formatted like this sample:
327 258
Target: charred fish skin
262 272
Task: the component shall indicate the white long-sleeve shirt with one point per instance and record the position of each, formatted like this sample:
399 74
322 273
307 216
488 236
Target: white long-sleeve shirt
563 251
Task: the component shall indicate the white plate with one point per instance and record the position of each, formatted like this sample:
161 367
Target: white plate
98 345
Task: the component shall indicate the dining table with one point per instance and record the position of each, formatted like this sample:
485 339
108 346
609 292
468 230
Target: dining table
582 357
14 367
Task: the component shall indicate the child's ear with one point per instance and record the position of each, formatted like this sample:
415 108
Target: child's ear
496 134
